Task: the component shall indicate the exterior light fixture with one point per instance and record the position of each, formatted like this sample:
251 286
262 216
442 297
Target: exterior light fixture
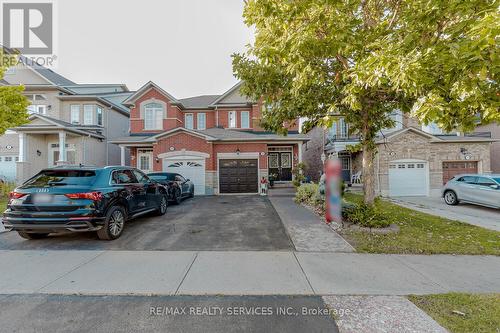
238 151
38 152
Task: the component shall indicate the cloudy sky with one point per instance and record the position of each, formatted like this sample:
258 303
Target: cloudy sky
182 45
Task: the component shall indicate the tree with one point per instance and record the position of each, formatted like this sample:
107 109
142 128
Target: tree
13 104
362 59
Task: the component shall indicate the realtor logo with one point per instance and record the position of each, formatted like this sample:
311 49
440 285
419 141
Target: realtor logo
28 27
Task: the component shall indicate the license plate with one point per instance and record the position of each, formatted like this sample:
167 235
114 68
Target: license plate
42 198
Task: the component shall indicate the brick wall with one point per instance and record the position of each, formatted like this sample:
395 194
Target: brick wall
311 154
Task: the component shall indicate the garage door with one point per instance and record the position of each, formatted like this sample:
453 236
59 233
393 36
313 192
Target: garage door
192 169
8 168
238 176
451 169
408 179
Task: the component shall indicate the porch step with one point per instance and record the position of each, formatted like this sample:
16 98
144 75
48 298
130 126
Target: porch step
283 185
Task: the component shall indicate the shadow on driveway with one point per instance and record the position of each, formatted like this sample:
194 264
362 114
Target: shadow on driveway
232 223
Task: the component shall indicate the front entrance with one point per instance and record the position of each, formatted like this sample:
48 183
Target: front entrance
238 176
53 157
451 169
345 160
280 163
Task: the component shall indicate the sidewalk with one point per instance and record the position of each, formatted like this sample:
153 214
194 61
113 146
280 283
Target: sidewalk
242 273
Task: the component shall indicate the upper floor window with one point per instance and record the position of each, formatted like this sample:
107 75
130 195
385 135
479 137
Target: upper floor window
38 103
202 121
188 121
88 117
245 119
153 116
344 128
99 115
432 128
75 114
232 119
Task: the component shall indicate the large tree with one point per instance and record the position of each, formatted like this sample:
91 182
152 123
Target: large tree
362 59
13 104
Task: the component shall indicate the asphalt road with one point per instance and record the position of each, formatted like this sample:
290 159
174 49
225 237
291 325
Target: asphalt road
227 223
51 313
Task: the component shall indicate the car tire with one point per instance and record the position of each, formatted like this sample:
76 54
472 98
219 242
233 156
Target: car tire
191 194
27 235
177 197
162 209
450 198
113 224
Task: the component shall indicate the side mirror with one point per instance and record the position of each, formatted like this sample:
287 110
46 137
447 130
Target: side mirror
495 187
188 180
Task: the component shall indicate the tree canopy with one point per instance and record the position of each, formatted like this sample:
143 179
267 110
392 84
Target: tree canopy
362 59
13 104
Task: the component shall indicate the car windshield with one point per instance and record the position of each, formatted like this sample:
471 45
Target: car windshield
497 179
61 177
160 177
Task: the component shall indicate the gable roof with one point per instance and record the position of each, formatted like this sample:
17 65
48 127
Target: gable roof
397 133
198 102
144 89
234 89
181 129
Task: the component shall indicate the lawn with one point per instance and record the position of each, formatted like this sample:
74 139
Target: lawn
473 312
3 203
422 233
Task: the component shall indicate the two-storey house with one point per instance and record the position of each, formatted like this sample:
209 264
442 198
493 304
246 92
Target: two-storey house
69 123
412 159
216 141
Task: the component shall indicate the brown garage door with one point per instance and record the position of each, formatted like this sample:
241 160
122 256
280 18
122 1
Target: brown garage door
451 169
238 176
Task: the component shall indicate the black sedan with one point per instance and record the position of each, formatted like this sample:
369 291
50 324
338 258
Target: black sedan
179 187
83 199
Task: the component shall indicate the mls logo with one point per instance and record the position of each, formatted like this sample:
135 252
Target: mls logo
28 27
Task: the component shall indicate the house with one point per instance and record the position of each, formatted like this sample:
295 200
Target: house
412 160
216 141
69 123
492 131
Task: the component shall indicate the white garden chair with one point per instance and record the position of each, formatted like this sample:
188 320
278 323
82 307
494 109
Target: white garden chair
356 178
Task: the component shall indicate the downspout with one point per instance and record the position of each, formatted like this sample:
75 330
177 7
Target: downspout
216 116
378 172
106 135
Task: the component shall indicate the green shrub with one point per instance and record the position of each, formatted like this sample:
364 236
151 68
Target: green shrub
369 216
298 174
306 192
6 188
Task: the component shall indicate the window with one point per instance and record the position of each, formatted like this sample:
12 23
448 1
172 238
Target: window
37 104
8 159
483 181
70 177
144 160
467 179
202 121
141 177
344 128
432 128
179 178
411 166
420 166
153 116
188 121
401 166
88 111
99 115
123 177
75 114
245 119
39 109
232 119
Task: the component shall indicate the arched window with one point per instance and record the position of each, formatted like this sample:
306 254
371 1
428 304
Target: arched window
153 116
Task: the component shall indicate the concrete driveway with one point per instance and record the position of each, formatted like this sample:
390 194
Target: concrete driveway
488 218
203 223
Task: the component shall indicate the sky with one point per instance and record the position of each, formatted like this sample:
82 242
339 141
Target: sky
184 46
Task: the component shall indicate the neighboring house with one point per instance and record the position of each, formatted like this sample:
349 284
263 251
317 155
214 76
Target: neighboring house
412 160
216 141
69 123
492 131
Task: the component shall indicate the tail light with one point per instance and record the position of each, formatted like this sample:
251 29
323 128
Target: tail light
95 196
16 195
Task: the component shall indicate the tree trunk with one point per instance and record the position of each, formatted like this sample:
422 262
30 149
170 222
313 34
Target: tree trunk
368 174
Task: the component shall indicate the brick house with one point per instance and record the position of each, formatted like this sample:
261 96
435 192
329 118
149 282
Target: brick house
216 141
412 160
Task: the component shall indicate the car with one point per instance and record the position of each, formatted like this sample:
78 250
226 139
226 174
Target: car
476 189
179 187
76 199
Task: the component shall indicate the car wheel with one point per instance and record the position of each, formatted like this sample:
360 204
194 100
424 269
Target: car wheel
27 235
113 225
450 198
191 195
177 197
162 208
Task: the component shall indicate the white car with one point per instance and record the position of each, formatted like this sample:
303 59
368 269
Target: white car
481 190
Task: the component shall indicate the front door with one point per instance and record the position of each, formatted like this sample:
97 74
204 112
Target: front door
280 165
346 168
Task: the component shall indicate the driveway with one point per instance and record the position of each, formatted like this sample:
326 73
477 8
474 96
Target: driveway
488 218
233 223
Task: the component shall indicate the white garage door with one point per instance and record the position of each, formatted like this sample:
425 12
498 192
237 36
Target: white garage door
408 179
8 168
192 169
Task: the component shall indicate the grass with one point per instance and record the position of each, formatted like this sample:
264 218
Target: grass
3 204
422 233
473 313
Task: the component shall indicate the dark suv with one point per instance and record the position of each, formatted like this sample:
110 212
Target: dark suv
83 199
